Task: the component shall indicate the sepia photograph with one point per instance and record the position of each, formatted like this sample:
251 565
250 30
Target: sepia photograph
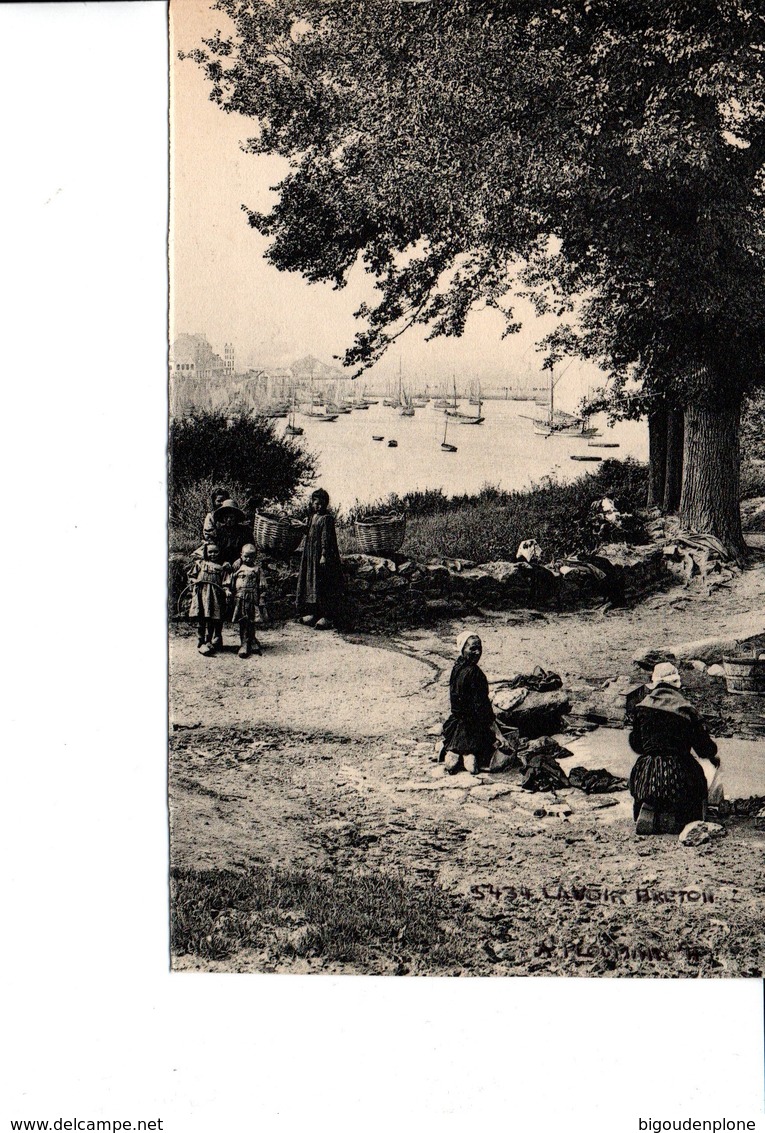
467 488
384 393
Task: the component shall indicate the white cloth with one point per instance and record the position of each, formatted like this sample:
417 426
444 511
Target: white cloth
463 637
665 674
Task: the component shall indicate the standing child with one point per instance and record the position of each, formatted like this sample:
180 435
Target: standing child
320 583
207 576
247 586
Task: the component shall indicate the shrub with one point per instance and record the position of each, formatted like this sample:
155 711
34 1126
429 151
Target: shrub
753 479
753 427
189 505
241 449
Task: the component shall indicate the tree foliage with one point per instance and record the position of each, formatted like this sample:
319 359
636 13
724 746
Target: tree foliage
240 449
606 159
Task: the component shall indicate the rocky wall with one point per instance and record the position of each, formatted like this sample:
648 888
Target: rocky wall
396 591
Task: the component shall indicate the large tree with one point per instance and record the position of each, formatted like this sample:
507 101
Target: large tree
604 158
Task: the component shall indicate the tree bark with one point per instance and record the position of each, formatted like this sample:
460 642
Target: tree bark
711 482
657 455
673 482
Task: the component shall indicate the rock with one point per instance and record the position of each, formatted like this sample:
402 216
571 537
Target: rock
648 658
504 760
700 666
711 650
759 820
715 671
369 565
611 703
508 698
697 833
539 714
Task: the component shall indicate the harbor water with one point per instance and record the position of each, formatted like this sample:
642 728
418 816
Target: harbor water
504 451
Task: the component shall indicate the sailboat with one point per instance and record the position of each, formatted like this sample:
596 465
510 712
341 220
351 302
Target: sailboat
444 446
468 418
318 410
451 406
406 409
291 429
558 422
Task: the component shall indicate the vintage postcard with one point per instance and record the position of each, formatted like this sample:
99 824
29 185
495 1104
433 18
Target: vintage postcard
467 499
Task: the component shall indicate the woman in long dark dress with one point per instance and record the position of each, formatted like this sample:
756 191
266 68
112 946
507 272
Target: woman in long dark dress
668 785
320 583
470 735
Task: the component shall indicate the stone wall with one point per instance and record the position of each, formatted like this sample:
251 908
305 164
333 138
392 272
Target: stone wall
391 592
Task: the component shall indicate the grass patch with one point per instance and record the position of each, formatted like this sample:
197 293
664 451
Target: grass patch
490 525
300 913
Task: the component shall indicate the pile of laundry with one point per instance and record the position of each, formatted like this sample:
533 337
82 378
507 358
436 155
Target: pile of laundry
542 772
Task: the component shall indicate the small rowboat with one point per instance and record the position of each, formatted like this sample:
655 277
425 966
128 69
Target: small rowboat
392 444
586 458
378 438
605 444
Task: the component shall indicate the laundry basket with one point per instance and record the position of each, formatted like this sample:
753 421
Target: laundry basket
381 534
279 535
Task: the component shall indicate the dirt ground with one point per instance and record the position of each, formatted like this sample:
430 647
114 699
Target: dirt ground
317 755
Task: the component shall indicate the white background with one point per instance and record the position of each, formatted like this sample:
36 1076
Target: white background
95 1024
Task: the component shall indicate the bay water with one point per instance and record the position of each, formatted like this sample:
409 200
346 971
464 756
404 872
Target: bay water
504 451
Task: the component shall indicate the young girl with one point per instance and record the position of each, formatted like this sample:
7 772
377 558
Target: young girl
207 576
247 587
217 499
320 585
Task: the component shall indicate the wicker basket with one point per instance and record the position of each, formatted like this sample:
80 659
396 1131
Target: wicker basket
745 674
381 534
281 536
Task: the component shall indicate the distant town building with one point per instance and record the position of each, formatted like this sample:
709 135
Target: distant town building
192 356
228 357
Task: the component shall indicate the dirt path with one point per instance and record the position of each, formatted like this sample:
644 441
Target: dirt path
316 755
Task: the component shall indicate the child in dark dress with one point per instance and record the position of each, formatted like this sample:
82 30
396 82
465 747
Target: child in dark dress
320 584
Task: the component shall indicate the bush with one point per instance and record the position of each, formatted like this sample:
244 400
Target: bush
241 449
753 427
188 507
753 479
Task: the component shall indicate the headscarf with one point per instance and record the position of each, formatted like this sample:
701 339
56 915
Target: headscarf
529 550
463 637
666 674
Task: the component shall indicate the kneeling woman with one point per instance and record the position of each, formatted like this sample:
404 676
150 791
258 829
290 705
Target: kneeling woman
470 735
668 785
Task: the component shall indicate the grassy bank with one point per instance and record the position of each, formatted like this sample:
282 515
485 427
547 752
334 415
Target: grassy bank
292 913
491 524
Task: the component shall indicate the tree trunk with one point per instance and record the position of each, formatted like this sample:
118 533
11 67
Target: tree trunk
674 477
657 455
711 481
